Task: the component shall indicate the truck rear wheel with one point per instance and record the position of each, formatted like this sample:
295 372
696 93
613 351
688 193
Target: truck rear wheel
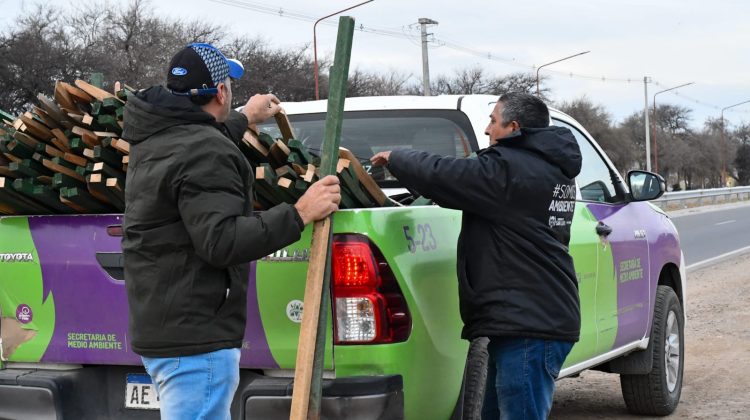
657 393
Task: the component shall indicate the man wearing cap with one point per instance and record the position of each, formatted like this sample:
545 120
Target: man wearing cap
516 280
189 233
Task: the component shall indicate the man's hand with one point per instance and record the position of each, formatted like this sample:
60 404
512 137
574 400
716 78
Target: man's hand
260 108
320 200
381 158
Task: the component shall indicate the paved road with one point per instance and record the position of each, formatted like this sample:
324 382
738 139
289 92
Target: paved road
708 233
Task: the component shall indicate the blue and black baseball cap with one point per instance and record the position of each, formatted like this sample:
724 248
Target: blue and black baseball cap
197 69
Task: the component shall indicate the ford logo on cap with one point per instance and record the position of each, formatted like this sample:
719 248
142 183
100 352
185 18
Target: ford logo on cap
179 71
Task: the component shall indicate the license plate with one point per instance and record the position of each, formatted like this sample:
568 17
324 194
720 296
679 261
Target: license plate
140 392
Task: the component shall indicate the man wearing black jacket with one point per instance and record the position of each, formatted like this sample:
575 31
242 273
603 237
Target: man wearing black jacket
517 284
189 232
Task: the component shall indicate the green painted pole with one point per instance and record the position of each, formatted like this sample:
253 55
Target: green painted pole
308 373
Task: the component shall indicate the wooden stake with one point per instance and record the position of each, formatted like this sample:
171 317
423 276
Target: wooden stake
94 91
308 373
370 185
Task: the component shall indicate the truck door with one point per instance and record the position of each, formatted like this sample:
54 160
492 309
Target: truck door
622 291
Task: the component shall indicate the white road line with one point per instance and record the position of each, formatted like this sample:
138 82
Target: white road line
725 222
708 261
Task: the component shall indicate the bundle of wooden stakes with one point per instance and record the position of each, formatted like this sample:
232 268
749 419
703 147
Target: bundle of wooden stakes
284 169
65 156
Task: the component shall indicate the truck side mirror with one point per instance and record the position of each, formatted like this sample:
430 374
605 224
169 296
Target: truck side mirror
645 186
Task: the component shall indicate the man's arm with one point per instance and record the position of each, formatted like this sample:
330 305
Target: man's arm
474 185
211 201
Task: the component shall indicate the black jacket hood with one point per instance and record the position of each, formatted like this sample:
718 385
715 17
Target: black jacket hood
556 145
152 110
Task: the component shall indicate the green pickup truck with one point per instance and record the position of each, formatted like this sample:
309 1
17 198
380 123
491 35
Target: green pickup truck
393 344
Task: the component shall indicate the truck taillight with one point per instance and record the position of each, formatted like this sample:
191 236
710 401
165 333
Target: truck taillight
368 305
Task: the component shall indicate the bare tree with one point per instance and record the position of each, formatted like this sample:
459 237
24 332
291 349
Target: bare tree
475 80
598 122
34 54
363 83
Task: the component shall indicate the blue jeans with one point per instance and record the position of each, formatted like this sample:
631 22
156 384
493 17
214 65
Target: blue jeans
521 377
195 387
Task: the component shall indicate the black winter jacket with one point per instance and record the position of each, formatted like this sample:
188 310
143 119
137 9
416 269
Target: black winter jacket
189 233
516 277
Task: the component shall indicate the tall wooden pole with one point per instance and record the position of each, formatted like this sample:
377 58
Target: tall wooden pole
308 372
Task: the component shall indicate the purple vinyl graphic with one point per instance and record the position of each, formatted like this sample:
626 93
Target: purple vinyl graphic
91 319
640 248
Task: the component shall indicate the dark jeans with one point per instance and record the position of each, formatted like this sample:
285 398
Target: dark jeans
521 377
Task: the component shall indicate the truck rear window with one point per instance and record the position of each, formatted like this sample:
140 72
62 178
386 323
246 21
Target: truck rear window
444 132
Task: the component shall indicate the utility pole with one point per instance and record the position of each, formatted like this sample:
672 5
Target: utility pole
724 144
425 60
645 124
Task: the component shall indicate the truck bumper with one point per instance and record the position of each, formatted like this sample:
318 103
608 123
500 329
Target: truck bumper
363 398
97 392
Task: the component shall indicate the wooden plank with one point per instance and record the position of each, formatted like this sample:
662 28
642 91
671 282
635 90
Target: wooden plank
253 149
297 147
84 199
75 159
46 118
60 135
6 172
308 372
311 175
266 140
265 181
42 194
77 118
286 172
87 119
104 134
109 171
97 188
60 180
24 169
52 151
114 185
63 98
93 91
63 170
49 197
285 126
35 128
20 149
78 95
350 182
122 146
52 109
77 208
59 145
279 153
26 139
20 202
372 188
109 122
87 136
107 155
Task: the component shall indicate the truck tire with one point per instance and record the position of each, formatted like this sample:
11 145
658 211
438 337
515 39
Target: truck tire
475 378
657 393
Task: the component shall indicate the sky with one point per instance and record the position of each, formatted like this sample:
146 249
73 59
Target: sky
673 42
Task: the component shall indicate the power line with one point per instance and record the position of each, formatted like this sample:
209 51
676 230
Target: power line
282 12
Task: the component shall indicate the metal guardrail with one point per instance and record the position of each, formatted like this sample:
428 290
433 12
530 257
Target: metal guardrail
739 193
